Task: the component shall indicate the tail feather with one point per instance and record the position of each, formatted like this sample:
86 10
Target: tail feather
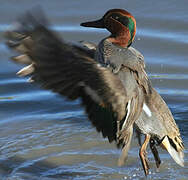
175 149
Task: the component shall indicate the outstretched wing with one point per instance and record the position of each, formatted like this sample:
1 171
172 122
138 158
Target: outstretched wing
70 71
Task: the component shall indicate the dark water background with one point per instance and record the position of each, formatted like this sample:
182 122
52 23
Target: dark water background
43 136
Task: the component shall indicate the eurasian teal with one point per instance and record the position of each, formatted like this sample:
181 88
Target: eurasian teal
111 81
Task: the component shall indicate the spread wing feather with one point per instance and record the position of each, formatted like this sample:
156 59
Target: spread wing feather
70 71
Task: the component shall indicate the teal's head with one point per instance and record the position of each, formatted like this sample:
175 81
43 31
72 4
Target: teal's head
120 23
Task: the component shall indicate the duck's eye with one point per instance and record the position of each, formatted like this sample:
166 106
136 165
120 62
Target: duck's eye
115 16
122 19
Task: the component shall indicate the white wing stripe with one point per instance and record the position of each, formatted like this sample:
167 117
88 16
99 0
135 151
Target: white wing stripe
128 112
147 110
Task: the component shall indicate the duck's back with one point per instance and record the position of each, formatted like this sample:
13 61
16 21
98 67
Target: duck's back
128 65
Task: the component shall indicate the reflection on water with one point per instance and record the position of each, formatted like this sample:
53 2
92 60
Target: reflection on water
44 135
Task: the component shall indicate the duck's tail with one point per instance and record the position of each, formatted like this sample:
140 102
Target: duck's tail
175 148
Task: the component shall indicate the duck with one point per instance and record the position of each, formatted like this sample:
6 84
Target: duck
110 80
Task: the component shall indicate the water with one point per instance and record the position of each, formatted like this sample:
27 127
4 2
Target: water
44 136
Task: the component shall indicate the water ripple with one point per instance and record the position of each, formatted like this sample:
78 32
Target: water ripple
169 76
172 36
173 92
65 28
